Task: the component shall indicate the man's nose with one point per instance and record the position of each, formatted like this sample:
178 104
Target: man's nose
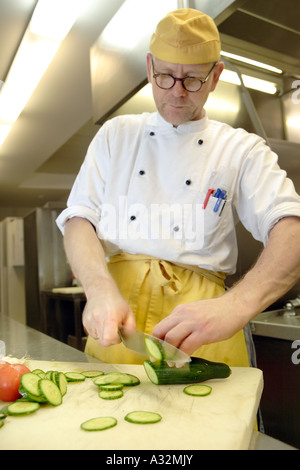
178 89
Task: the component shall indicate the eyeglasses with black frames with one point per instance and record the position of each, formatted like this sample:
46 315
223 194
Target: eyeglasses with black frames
191 84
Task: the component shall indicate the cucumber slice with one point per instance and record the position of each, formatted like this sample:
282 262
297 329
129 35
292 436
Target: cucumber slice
50 391
62 383
117 377
29 383
37 371
197 390
74 377
1 423
22 408
111 387
110 394
143 417
99 424
92 373
154 349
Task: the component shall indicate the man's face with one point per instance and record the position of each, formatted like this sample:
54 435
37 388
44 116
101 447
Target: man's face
178 105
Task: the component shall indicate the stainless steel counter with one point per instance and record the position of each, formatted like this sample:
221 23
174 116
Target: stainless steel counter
281 324
21 341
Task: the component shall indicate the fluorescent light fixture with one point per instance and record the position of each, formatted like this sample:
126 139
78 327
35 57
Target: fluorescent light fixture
54 18
251 62
250 82
32 59
133 21
50 23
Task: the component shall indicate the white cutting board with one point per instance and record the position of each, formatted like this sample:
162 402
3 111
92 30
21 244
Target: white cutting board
223 420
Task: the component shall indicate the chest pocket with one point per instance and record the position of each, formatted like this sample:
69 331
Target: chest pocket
207 228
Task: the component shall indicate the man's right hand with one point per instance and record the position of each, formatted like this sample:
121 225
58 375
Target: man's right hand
105 308
103 313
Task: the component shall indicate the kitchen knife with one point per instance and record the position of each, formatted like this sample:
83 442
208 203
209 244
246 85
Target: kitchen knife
151 346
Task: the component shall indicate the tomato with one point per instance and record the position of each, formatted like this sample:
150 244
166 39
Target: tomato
10 377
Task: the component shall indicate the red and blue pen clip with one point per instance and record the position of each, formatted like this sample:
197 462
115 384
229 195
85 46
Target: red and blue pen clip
209 193
220 194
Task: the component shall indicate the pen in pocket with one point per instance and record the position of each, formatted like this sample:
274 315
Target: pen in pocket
221 194
208 194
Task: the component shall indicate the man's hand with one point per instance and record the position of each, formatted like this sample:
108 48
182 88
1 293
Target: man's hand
192 325
105 310
207 321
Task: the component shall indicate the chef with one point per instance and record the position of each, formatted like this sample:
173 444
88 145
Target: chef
149 228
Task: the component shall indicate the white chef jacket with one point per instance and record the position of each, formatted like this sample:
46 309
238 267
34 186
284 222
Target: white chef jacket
143 185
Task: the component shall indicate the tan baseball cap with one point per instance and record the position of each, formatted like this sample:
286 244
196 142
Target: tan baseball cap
186 36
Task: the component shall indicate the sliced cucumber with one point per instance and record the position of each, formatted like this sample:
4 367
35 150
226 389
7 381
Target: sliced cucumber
198 370
92 373
1 423
197 390
143 417
110 394
117 377
62 383
111 387
50 391
99 424
74 377
22 408
38 371
29 383
154 349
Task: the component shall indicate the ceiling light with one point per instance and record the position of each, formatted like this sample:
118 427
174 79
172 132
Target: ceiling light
54 18
250 82
251 62
133 21
50 23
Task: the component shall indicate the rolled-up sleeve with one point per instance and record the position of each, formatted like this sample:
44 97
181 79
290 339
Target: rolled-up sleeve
92 175
265 194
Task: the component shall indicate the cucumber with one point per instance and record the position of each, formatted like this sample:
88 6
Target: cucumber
38 371
92 373
198 370
99 424
110 394
117 377
154 349
29 385
111 387
19 408
50 391
196 390
74 377
143 417
61 382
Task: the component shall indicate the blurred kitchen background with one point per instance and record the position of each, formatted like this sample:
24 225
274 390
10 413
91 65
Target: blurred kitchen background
94 68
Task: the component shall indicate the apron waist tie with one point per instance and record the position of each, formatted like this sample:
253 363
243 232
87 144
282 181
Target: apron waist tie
164 272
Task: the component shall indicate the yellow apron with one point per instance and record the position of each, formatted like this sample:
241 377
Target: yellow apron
153 288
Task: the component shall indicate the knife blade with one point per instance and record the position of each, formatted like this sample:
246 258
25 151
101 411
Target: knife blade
150 346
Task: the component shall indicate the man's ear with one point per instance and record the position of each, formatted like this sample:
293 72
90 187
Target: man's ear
217 72
149 67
